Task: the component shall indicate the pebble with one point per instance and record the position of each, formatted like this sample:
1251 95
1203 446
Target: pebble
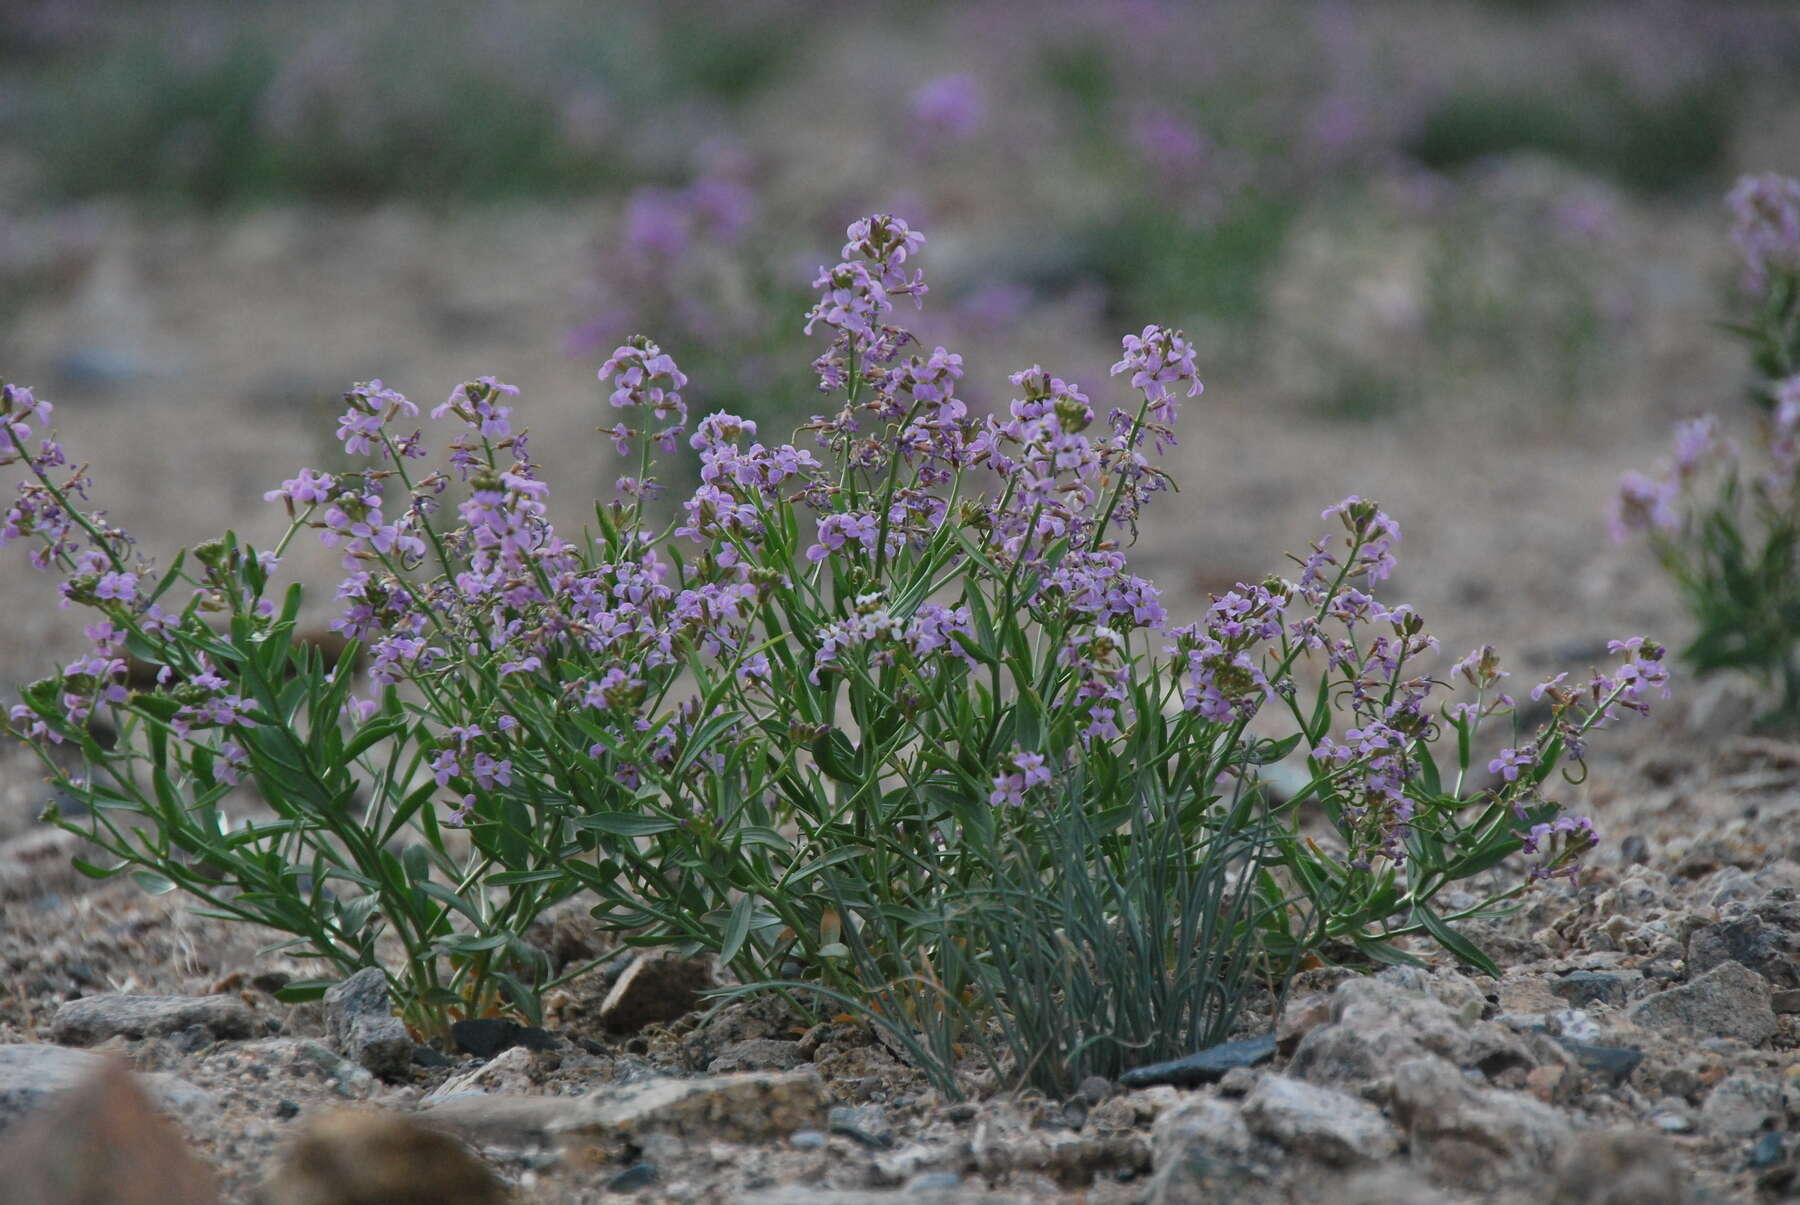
1204 1066
1322 1123
93 1019
359 1016
638 1175
1729 1001
806 1140
1767 1150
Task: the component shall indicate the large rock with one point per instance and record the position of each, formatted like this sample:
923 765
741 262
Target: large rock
102 1141
1765 949
1729 1001
358 1156
30 1075
1471 1136
1742 1105
1199 1150
359 1017
1321 1123
731 1108
1619 1167
93 1019
1378 1023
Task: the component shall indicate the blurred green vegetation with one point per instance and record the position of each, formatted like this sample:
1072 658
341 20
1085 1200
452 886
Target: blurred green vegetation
1651 146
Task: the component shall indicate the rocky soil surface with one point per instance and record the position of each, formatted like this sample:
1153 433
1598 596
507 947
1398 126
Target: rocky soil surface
1640 1046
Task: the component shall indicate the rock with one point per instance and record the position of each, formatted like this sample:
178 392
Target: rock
727 1108
756 1054
482 1119
655 987
1728 1001
1742 1104
807 1140
1582 988
1744 940
1619 1167
1785 1002
1472 1136
638 1175
1615 1063
1377 1024
1766 1151
1204 1131
31 1074
301 1058
353 1156
359 1017
516 1070
1203 1067
1322 1123
93 1019
485 1037
102 1141
867 1124
1094 1089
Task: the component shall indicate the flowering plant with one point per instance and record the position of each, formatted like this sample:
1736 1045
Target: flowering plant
1724 518
795 721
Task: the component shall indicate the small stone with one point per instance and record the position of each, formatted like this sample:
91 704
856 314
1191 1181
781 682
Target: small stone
1095 1088
960 1112
926 1182
756 1054
1742 1104
1616 1063
425 1056
806 1140
1672 1115
1582 988
102 1140
355 1155
1767 1150
1238 1081
359 1017
1619 1167
867 1124
1635 850
485 1037
638 1175
1322 1123
94 1019
1785 1002
1202 1067
286 1110
655 987
1728 1001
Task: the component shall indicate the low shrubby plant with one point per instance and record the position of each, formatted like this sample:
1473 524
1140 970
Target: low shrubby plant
1724 514
890 720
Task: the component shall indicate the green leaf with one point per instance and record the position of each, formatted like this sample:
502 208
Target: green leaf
96 872
737 928
624 824
152 882
303 990
836 756
513 878
1456 943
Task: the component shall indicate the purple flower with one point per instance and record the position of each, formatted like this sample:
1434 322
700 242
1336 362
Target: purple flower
1766 226
1511 761
835 530
1158 358
1022 771
949 108
121 587
1642 504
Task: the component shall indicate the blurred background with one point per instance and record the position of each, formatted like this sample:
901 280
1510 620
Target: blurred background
1458 255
